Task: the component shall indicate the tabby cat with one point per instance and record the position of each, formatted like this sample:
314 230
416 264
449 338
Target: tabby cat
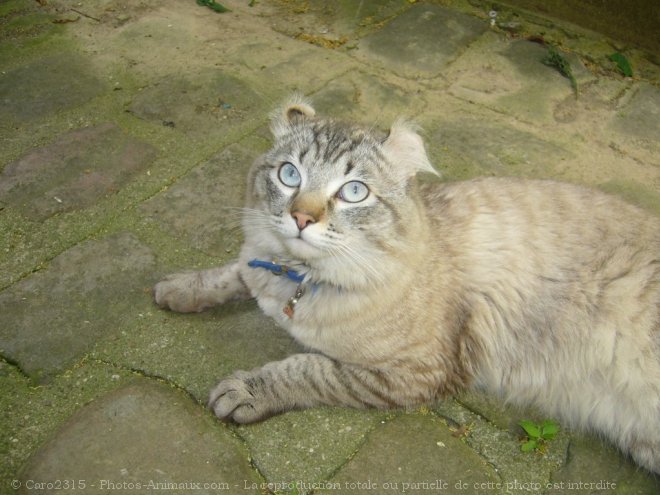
537 291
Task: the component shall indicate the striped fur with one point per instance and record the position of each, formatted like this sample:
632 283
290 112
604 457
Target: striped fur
540 292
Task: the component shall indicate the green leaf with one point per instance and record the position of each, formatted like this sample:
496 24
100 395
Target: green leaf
528 446
532 429
212 4
549 429
622 64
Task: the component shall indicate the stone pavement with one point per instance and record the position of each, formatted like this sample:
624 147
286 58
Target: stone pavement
128 126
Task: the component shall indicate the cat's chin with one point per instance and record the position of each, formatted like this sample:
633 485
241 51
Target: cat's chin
303 250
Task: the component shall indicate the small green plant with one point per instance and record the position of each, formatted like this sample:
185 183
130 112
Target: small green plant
622 64
212 4
555 59
538 435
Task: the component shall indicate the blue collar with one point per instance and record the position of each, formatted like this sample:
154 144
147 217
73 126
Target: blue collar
278 270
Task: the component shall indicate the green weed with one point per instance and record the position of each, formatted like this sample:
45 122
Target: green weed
212 4
538 435
559 62
622 64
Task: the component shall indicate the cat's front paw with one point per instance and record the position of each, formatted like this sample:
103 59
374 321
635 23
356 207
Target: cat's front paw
179 292
240 398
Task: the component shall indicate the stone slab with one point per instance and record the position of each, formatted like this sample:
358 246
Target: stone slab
339 21
504 416
142 438
422 41
207 104
512 78
204 206
348 16
638 119
44 87
282 66
55 316
30 415
307 447
501 448
196 350
27 32
388 462
464 146
74 171
362 97
595 467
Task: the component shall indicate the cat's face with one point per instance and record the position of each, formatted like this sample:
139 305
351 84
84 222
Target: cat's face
338 198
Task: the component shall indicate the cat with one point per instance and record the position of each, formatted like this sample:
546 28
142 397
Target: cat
537 291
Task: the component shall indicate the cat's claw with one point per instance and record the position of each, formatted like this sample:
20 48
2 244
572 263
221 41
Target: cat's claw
237 398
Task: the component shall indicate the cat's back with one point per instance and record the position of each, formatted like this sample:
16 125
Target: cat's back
537 253
521 214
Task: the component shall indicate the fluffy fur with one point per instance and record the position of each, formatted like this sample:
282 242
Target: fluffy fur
540 292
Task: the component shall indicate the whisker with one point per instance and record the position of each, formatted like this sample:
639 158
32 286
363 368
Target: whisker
358 260
241 218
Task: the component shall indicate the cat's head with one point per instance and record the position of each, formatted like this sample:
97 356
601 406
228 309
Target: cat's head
339 198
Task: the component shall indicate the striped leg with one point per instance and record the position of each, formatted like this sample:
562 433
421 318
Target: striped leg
299 382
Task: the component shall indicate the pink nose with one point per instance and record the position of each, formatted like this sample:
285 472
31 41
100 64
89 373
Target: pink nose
303 219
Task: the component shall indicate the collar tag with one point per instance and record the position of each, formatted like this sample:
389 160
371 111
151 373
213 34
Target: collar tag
293 300
287 272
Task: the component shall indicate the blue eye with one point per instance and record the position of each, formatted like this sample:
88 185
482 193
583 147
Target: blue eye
289 175
353 192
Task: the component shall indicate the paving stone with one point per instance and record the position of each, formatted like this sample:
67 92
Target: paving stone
54 316
349 16
638 119
287 66
207 104
379 106
595 467
30 415
512 78
341 19
388 462
142 438
307 447
422 41
465 146
595 105
74 171
504 416
204 205
501 448
46 86
196 350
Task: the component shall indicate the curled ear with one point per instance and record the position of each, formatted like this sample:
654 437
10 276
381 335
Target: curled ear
404 148
295 110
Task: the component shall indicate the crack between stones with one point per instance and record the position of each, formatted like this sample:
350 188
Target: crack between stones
14 364
147 375
144 374
495 468
108 221
381 424
173 384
